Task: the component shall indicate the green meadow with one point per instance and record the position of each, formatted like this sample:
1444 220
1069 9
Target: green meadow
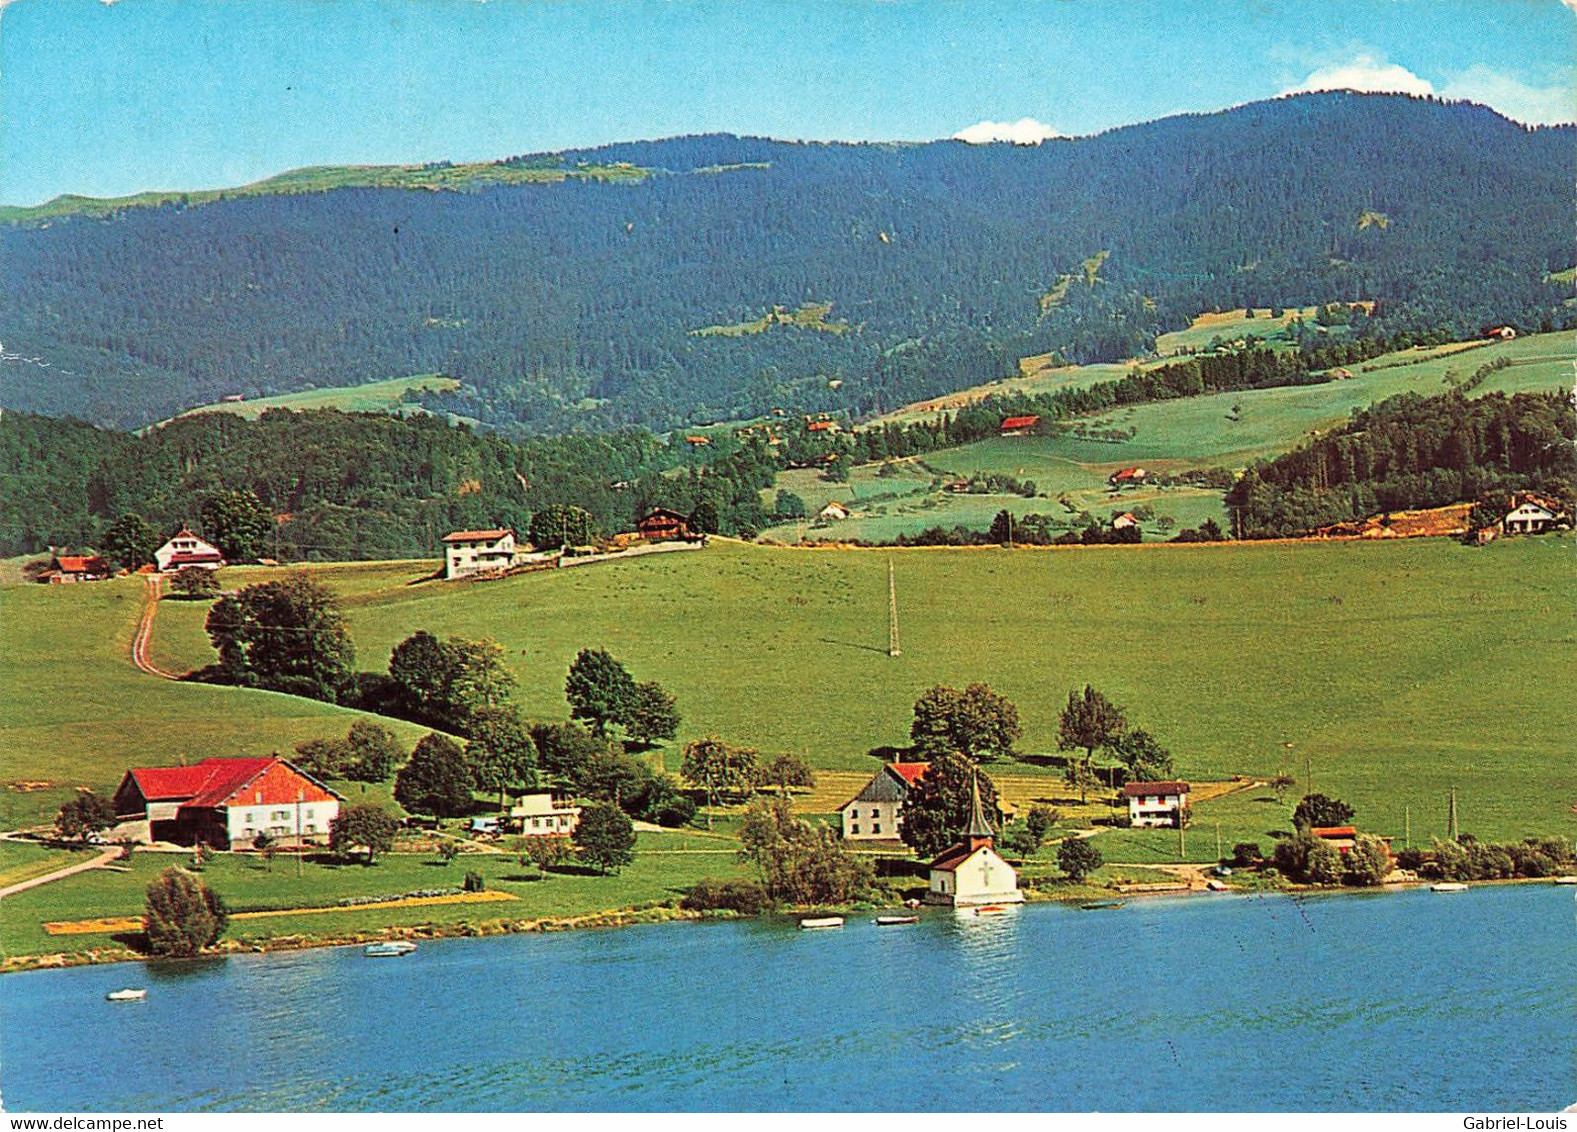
1393 671
373 397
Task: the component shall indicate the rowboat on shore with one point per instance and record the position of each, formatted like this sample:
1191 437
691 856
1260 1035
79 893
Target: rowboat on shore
889 921
127 994
1448 886
1097 905
390 950
1566 880
811 923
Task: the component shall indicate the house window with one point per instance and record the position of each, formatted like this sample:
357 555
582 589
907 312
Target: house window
875 813
309 813
311 828
877 828
856 828
280 815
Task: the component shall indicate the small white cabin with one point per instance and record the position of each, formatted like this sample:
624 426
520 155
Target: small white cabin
1156 803
540 816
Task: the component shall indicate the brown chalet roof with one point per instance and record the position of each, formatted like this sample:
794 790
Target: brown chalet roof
471 536
1145 789
955 855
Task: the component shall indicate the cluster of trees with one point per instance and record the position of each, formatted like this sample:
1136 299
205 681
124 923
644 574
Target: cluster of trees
800 863
181 915
370 752
1468 858
722 770
287 635
574 304
1091 722
1413 451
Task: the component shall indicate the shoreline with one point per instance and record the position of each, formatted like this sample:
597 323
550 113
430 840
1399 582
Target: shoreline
645 914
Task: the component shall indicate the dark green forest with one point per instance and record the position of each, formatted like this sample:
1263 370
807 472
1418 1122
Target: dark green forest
576 305
1412 452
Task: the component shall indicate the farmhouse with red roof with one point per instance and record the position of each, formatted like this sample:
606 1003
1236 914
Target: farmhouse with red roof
183 549
226 803
874 813
78 568
1125 477
1019 426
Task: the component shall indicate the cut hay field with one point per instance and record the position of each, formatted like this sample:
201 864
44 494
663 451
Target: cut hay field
1399 670
373 397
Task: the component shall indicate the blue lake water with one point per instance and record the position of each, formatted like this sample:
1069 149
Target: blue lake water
1390 1002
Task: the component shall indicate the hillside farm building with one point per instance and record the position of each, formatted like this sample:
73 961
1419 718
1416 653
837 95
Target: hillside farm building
68 568
540 816
476 552
1533 514
1156 803
184 549
1127 477
226 803
874 814
833 512
660 525
1019 426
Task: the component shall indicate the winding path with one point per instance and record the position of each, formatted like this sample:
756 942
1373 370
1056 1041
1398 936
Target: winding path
103 858
144 637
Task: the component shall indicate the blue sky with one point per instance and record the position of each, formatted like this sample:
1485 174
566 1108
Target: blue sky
106 97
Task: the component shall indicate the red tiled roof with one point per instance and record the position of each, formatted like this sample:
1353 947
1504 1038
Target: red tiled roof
1021 422
1334 831
81 564
1145 789
469 536
909 772
168 783
954 856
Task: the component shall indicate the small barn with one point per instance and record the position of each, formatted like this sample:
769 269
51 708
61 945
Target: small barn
67 568
833 512
1019 426
660 525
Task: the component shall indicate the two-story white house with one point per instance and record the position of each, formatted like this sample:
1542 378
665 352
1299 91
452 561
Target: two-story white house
183 549
540 816
476 552
1156 803
226 803
875 812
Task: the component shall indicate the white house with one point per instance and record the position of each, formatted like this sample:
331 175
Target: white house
1531 515
540 816
833 512
473 552
874 813
971 873
184 549
1155 803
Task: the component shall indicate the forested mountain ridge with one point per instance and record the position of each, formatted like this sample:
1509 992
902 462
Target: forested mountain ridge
573 304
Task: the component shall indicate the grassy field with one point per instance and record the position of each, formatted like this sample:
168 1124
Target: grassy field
374 397
73 711
1399 670
663 870
1231 325
1222 430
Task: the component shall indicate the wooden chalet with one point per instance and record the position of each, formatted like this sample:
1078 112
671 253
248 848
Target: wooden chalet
662 525
67 568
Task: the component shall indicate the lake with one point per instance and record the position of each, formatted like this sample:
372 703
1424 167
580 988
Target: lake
1384 1002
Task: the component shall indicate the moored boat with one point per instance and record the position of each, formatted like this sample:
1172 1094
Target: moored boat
1448 886
388 950
889 921
1097 905
993 910
1566 880
128 994
811 923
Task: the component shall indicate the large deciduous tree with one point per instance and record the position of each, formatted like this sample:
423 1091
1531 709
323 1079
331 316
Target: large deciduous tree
1143 755
718 767
599 689
436 779
130 541
1089 722
562 525
366 826
936 810
86 814
652 715
785 770
974 721
605 837
1078 858
238 524
800 863
442 683
1318 810
373 751
500 751
182 915
288 635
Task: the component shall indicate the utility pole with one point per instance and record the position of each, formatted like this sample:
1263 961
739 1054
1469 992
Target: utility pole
1218 841
892 612
1451 817
1182 845
1407 827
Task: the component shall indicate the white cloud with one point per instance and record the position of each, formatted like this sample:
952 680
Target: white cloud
1537 106
1026 131
1365 72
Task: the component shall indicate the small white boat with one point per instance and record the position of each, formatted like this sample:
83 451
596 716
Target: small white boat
813 922
127 994
390 950
993 910
889 921
1566 880
1448 886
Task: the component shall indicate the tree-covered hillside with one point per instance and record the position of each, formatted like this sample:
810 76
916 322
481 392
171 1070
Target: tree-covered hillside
603 304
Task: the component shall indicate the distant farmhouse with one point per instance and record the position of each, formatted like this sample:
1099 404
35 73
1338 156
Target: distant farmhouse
1127 477
226 803
477 552
1019 426
1532 514
184 549
833 512
662 525
540 816
66 568
874 814
1156 803
1124 521
972 873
